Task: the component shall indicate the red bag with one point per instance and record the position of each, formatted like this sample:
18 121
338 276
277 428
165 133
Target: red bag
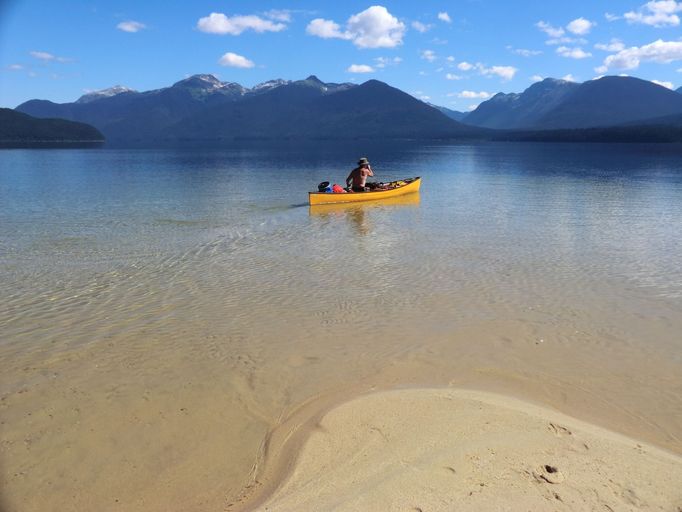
338 189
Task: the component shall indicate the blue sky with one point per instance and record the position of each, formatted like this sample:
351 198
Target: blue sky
452 53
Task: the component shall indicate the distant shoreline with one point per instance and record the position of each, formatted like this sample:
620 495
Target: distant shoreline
49 144
611 135
653 135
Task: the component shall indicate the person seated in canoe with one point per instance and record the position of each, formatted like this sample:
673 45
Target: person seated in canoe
357 178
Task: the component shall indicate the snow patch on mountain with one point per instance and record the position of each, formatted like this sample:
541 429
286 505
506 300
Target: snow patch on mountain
104 93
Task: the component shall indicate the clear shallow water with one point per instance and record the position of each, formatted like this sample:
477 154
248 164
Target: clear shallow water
164 309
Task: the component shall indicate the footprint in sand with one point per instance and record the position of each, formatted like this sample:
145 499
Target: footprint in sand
558 430
548 474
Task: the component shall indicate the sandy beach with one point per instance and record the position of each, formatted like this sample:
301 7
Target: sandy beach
444 449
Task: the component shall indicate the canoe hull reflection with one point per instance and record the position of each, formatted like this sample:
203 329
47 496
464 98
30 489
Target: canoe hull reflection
332 208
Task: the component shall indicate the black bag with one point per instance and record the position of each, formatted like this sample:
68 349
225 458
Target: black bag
322 186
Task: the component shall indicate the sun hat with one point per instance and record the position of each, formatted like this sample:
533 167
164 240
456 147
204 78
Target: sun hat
363 161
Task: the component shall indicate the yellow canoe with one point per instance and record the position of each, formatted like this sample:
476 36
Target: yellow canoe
411 185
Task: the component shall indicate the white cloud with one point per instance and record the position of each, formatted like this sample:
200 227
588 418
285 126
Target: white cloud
360 68
566 40
473 94
615 45
374 27
536 78
667 85
326 29
44 56
382 62
47 57
504 72
548 29
580 26
425 98
283 15
131 26
656 13
568 78
662 52
235 61
525 53
472 107
444 16
429 55
218 23
15 67
465 66
450 76
557 35
450 58
612 17
679 70
573 53
421 27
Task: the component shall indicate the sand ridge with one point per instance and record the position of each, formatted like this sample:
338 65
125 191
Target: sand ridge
453 449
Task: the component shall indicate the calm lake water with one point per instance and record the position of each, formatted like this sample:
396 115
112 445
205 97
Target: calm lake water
163 310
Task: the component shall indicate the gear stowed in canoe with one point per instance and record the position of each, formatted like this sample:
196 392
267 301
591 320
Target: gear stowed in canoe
380 191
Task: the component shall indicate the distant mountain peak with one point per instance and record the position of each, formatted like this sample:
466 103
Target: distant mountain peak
503 97
547 87
104 93
516 110
326 88
201 81
550 80
206 77
270 84
375 84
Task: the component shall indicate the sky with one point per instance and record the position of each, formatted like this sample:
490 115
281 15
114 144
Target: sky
453 53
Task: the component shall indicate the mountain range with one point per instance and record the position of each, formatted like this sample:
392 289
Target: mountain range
557 104
202 107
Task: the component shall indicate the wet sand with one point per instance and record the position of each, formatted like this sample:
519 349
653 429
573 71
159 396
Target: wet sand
441 449
183 413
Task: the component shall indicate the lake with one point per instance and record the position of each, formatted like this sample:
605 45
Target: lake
164 309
